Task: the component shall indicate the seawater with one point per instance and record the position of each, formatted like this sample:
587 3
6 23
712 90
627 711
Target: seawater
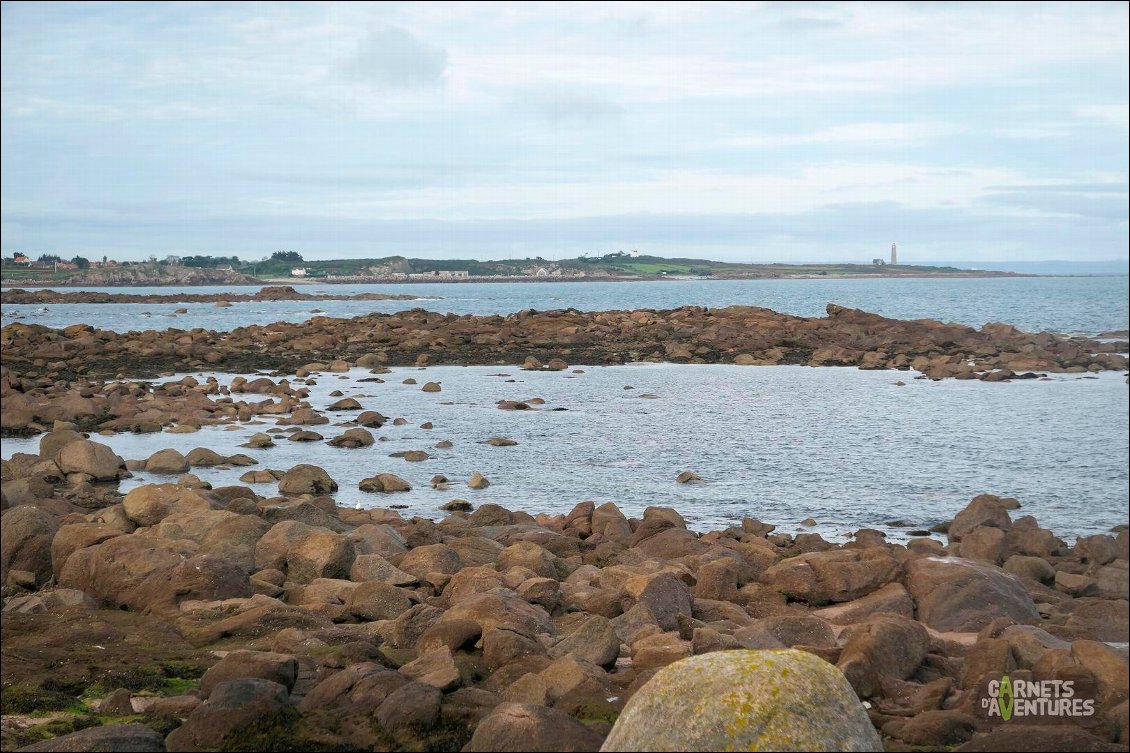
849 448
1084 305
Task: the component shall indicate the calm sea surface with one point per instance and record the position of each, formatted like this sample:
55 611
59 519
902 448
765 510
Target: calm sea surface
781 443
846 447
1086 305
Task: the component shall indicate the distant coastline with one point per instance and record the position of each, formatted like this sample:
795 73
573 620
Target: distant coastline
80 282
289 268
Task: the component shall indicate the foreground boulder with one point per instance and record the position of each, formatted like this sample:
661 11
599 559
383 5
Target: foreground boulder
232 717
958 595
526 727
91 459
26 543
745 700
151 575
833 576
112 738
280 668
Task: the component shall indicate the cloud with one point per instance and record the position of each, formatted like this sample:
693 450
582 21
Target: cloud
875 134
850 231
1115 115
1119 188
392 58
47 107
1104 205
565 106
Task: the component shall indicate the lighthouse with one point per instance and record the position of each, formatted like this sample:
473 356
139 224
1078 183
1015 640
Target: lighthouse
894 255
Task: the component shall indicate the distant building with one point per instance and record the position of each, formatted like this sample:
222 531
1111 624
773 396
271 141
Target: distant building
542 272
879 262
20 259
442 274
298 272
894 255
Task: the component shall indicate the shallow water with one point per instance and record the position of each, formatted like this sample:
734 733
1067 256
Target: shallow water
780 443
1087 305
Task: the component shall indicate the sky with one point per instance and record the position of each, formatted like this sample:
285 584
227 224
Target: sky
744 132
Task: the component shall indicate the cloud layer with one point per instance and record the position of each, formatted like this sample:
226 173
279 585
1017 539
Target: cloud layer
773 131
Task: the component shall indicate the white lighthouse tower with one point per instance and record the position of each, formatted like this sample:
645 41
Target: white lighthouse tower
894 255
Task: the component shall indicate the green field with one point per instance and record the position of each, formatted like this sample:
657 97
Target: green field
23 273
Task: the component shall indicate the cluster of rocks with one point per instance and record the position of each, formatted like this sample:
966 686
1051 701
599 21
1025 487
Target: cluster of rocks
491 629
32 404
271 293
737 334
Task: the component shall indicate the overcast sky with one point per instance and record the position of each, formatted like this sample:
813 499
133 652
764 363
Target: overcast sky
774 132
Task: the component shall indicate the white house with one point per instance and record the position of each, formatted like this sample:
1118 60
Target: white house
298 272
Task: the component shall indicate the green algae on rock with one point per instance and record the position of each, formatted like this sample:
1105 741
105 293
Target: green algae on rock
745 700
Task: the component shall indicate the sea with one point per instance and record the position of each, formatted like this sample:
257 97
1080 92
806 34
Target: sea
850 449
1074 305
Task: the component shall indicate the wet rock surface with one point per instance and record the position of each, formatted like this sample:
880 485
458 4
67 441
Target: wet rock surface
737 334
292 619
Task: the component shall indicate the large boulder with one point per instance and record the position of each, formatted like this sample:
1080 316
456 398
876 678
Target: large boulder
115 570
148 505
526 727
235 539
234 712
91 458
384 483
26 542
111 738
745 700
834 576
885 647
374 600
982 510
70 538
321 554
353 438
528 555
150 574
958 595
431 558
374 567
53 441
608 521
502 609
306 479
280 668
890 599
166 461
594 641
412 708
662 594
203 457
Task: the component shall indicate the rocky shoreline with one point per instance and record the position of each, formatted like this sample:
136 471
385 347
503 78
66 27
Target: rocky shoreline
740 335
183 617
274 293
263 615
